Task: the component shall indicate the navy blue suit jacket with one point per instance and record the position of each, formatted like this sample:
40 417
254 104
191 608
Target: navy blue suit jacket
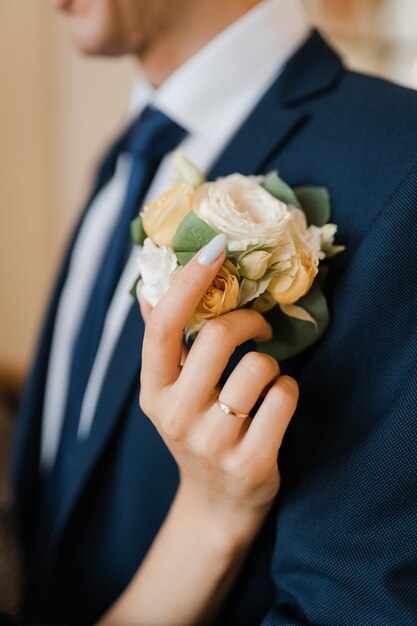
339 547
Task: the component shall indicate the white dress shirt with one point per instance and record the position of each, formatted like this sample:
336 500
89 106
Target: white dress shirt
210 96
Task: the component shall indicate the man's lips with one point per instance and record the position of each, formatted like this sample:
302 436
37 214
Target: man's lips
61 4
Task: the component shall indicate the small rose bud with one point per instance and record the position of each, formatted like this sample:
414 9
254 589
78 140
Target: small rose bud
254 264
327 235
188 172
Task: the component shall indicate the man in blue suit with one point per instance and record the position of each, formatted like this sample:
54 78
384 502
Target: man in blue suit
242 87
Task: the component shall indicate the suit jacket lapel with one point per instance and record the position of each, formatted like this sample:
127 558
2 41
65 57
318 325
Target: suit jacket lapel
120 382
274 120
283 110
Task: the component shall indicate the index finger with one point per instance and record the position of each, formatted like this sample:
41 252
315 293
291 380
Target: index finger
162 345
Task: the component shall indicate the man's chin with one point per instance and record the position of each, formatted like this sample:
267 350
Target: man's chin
95 41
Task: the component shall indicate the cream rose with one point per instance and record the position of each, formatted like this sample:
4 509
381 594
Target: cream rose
157 267
254 264
243 210
160 219
221 296
188 172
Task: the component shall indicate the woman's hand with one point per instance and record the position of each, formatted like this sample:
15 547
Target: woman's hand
227 464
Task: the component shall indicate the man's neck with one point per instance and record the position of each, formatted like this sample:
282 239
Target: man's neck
182 40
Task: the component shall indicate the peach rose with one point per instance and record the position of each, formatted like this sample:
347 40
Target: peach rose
161 218
297 259
221 296
295 283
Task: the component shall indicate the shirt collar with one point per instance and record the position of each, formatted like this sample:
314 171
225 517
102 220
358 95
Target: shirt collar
212 92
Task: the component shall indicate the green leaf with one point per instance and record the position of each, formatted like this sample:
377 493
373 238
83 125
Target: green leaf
249 249
134 288
276 186
248 289
137 231
192 234
292 336
315 202
322 275
184 257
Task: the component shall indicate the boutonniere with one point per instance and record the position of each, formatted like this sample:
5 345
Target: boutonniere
277 238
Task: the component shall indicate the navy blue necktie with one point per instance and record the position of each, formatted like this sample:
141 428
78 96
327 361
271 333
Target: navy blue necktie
147 141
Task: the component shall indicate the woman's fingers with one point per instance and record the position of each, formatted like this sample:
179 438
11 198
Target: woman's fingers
267 429
146 309
213 348
162 346
247 381
240 393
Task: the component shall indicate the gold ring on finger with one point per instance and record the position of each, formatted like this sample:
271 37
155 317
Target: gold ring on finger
227 410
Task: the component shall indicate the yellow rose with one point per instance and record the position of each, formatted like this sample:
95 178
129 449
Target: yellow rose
289 289
221 296
160 219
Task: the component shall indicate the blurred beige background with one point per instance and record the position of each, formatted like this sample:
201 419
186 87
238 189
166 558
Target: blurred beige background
58 111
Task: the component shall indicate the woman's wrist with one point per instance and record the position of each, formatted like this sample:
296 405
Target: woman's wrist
192 563
229 528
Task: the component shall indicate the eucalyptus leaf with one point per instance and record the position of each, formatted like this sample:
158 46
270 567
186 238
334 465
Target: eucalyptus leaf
248 289
260 247
315 202
133 290
192 234
184 257
278 188
275 271
292 336
137 231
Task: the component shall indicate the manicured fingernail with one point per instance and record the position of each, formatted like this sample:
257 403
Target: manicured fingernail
212 250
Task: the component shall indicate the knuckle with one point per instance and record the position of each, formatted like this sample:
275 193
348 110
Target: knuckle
241 469
156 330
172 425
261 365
215 331
188 278
144 403
290 388
202 447
258 320
285 394
252 314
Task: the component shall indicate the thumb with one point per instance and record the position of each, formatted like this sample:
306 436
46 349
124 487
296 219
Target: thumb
145 308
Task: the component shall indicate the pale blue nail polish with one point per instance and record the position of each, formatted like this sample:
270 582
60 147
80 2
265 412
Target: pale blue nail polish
212 250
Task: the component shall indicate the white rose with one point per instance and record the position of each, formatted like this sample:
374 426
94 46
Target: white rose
327 234
157 266
243 210
303 237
